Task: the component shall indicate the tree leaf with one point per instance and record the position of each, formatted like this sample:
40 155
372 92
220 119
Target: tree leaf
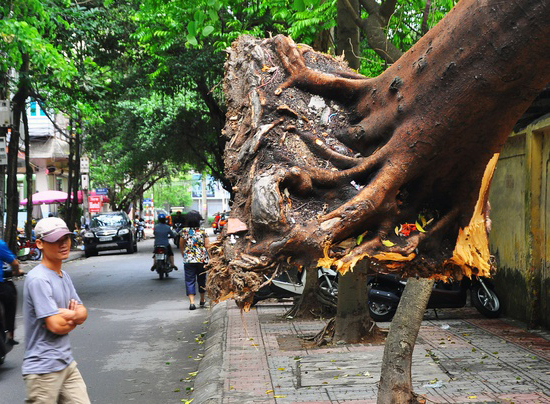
207 30
359 239
192 40
388 243
419 228
299 5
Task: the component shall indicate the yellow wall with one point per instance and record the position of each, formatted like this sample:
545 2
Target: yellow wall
520 201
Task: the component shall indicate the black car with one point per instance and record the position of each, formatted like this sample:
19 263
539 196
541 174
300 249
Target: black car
110 231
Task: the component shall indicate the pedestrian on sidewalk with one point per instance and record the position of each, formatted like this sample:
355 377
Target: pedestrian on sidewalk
193 246
8 292
51 310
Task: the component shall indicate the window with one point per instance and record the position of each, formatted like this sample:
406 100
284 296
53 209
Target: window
33 108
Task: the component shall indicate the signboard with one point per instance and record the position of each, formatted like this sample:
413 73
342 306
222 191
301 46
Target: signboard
84 165
5 114
94 204
101 191
85 181
3 152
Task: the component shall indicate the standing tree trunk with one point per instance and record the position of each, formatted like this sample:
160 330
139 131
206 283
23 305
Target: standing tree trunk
347 32
19 103
396 381
353 323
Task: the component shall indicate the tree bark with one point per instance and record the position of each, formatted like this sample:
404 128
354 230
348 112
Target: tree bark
19 104
347 32
353 323
395 380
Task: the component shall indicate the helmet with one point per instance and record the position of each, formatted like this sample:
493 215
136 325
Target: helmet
162 216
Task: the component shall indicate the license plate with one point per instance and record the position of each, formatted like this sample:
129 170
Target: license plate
105 238
159 256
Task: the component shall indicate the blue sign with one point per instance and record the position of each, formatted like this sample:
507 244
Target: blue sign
101 191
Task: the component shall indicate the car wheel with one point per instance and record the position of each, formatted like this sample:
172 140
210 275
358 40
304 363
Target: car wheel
88 252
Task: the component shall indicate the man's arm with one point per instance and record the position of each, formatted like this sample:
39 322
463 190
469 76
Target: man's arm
67 319
15 269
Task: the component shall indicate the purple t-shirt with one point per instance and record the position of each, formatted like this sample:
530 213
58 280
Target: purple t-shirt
45 292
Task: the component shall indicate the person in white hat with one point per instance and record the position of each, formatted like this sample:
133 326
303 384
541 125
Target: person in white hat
51 310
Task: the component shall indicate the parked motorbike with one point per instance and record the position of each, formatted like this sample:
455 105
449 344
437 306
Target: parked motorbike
162 261
385 292
27 249
291 283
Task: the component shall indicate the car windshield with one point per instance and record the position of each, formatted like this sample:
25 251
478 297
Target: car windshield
108 220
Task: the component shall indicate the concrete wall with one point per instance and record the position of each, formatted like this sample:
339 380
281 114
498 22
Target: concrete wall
520 202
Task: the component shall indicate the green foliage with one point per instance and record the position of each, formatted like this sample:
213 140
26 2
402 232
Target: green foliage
25 28
173 192
404 30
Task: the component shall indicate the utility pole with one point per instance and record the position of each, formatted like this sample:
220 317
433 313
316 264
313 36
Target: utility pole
204 210
5 123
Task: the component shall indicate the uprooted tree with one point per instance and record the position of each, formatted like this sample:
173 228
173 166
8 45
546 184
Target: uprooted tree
332 168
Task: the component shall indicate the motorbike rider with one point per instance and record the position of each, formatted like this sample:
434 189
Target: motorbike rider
162 233
8 292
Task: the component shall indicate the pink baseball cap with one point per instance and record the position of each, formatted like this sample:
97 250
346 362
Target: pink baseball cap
51 229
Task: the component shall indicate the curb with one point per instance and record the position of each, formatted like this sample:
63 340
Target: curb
208 388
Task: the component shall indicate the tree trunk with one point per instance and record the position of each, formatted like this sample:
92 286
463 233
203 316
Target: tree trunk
307 305
353 323
347 32
395 380
19 104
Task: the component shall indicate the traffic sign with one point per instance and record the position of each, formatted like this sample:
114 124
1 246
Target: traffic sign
101 191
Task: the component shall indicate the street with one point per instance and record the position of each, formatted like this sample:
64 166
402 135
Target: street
140 344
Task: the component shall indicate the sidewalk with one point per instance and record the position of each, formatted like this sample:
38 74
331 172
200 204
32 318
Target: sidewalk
462 357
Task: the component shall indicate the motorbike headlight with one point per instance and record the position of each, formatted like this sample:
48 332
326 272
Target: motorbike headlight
88 234
123 231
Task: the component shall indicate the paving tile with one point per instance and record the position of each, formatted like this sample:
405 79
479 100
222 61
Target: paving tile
459 358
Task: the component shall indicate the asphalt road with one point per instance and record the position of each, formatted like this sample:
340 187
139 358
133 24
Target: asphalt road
140 344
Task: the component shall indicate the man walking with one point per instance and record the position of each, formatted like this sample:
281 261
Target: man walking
51 309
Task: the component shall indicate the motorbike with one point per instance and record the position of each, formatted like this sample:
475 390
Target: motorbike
140 231
4 347
218 226
385 292
27 249
291 284
162 261
177 229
